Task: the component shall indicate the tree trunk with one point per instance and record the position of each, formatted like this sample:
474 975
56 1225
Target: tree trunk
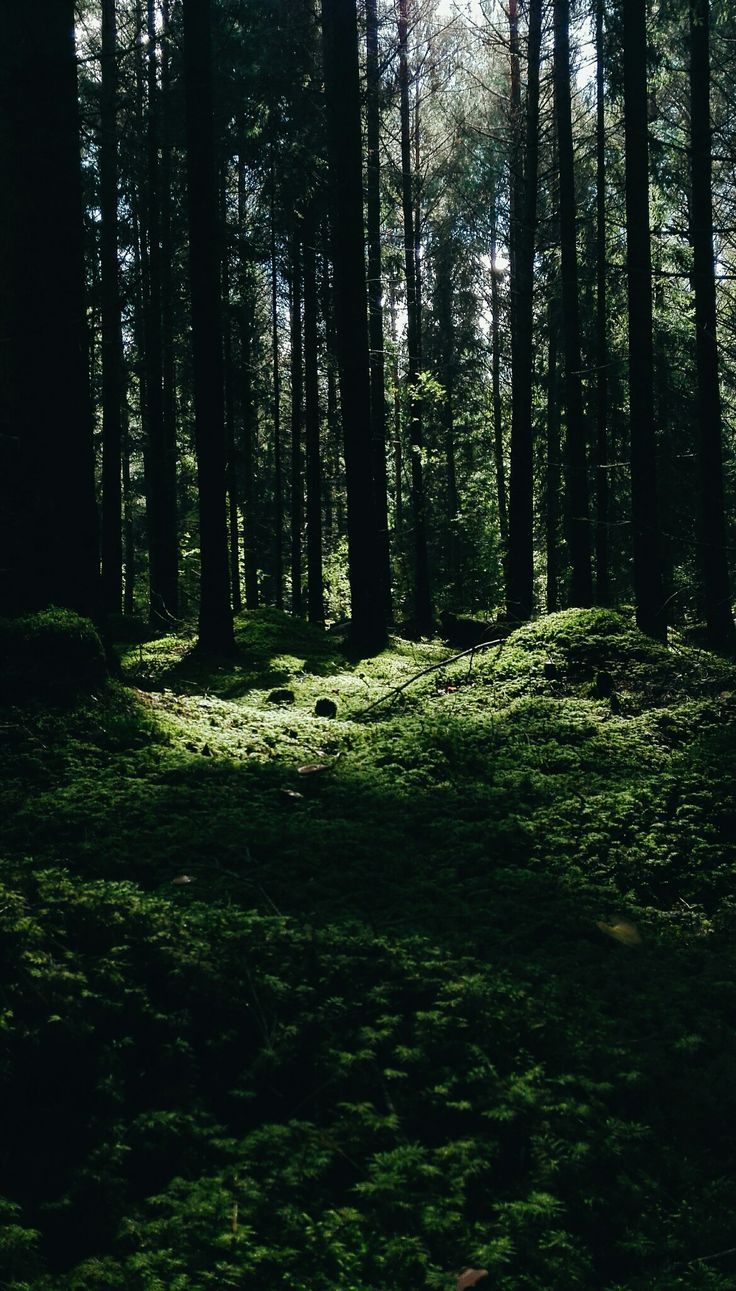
503 522
576 457
342 93
647 566
422 594
520 563
375 296
112 340
168 353
48 513
161 504
247 409
297 413
278 479
315 599
552 508
712 527
215 616
602 571
230 436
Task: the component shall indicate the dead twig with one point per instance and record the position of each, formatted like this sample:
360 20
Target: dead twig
435 667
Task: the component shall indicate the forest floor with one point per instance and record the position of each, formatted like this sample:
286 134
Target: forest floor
354 1002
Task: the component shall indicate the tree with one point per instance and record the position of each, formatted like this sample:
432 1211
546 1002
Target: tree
576 457
215 616
49 517
647 569
711 528
112 340
342 97
602 572
520 556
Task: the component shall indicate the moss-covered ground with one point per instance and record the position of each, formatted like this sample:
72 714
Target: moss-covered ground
352 1002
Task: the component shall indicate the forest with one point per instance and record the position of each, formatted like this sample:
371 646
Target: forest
367 645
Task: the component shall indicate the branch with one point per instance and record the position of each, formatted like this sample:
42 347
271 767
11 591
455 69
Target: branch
484 645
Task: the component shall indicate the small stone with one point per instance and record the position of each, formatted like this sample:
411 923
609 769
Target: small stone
551 671
206 751
325 708
281 696
603 685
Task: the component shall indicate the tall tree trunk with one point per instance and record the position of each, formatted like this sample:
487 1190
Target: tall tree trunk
422 594
215 615
315 599
375 297
112 340
231 464
247 408
576 457
602 571
520 563
161 506
278 479
647 563
48 513
342 93
128 530
297 413
503 521
398 447
553 464
712 527
168 350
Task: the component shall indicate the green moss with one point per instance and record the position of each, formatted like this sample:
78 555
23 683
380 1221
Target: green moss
51 655
326 1001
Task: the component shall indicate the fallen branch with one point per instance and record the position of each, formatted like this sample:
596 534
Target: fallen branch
435 667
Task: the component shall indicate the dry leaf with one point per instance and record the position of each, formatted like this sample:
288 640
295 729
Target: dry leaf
621 930
181 879
291 795
470 1277
312 768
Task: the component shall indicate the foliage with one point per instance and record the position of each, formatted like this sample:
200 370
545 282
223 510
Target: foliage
51 654
363 1023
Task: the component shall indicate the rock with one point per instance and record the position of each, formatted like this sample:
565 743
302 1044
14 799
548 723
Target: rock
206 751
325 708
551 671
281 696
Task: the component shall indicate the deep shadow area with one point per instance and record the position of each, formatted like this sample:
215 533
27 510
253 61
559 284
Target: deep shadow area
341 1002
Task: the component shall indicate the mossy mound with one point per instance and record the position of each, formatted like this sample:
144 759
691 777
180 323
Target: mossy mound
51 655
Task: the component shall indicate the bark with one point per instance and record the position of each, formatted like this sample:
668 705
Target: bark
375 306
520 562
342 93
576 456
230 436
247 407
278 481
553 465
215 616
48 514
112 340
647 562
297 416
602 571
422 593
503 522
315 599
161 499
712 527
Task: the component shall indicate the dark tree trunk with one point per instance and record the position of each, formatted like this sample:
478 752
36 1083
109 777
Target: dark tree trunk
375 294
602 571
247 406
422 594
161 499
398 447
503 521
712 527
342 92
168 352
278 479
315 600
215 615
647 565
112 340
128 530
297 414
332 454
50 551
553 466
230 436
520 562
576 457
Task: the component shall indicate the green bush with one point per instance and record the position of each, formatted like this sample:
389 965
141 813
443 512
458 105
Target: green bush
49 655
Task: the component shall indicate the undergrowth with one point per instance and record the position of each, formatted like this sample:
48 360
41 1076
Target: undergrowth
353 1002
